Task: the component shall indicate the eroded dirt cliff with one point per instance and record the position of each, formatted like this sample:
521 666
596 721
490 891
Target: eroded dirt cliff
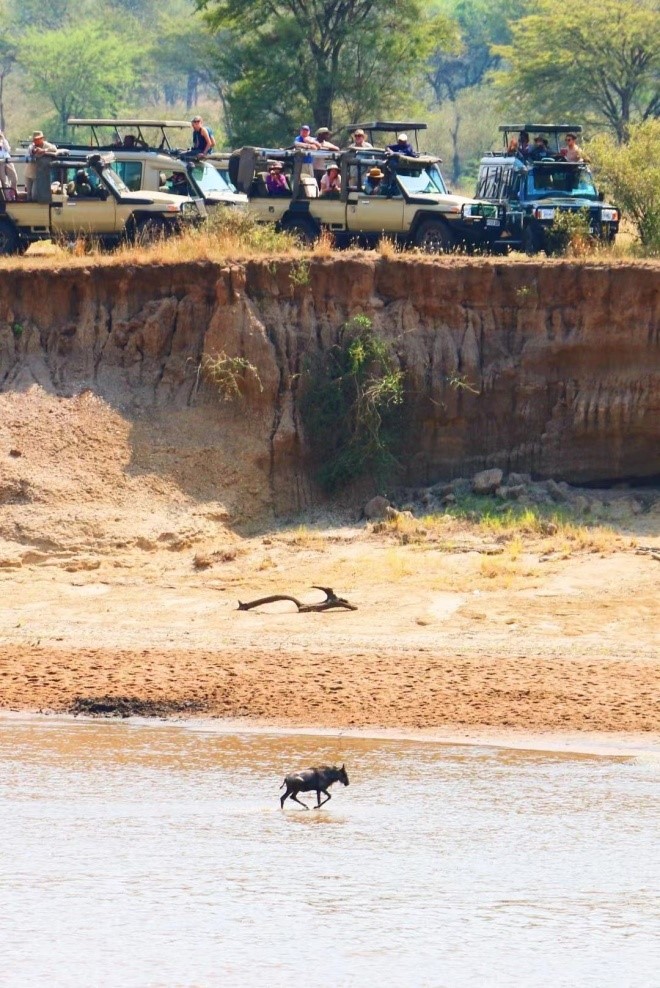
561 361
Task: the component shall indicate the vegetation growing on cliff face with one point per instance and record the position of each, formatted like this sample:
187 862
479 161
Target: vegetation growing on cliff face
352 404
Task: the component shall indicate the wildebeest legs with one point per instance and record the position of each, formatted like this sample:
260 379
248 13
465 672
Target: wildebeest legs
319 804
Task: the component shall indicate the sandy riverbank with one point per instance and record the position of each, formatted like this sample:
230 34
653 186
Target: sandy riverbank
114 583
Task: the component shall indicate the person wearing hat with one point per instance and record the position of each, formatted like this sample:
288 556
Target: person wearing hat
37 149
276 182
306 140
331 181
324 144
372 186
359 141
402 146
540 149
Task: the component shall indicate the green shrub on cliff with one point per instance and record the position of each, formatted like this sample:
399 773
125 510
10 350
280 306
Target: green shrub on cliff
631 173
351 404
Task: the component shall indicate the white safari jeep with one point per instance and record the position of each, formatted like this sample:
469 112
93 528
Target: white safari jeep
147 158
80 195
411 205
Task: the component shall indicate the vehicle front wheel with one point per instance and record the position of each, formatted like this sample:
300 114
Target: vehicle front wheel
531 242
303 230
434 237
149 230
9 241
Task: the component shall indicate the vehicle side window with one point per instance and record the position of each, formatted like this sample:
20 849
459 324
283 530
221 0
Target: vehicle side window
130 173
482 183
489 183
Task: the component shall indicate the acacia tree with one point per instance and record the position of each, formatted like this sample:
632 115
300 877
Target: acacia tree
607 63
300 51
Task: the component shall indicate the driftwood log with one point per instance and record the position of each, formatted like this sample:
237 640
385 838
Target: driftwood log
332 600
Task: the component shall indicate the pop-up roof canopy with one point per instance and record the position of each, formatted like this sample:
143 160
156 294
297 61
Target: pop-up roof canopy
389 127
134 124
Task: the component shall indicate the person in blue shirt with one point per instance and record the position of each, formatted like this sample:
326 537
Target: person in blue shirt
403 146
305 138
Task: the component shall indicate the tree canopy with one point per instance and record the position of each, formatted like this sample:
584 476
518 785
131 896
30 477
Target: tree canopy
603 64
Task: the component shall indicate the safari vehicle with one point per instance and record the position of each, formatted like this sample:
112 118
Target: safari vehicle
533 192
153 163
413 206
82 196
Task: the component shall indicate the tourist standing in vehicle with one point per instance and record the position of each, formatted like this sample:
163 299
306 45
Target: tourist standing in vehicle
524 147
331 181
572 151
8 176
403 146
203 141
305 139
359 141
37 149
324 143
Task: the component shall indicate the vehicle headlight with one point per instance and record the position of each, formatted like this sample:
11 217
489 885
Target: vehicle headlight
544 213
609 215
467 209
171 208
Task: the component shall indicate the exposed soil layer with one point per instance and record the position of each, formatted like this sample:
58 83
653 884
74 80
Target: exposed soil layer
561 358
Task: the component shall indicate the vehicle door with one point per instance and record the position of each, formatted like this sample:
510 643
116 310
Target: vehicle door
75 212
375 213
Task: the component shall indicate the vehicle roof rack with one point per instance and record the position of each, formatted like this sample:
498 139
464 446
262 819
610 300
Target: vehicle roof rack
541 128
388 125
124 122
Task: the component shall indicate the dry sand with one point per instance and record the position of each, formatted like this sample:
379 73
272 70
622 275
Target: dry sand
114 582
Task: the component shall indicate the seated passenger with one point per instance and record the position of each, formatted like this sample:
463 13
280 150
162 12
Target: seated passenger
372 185
540 149
133 143
178 184
403 146
359 140
512 147
276 182
524 147
82 187
331 181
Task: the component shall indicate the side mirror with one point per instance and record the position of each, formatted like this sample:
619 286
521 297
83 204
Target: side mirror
102 193
601 197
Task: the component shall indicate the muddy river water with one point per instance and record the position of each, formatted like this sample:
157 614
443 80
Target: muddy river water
157 855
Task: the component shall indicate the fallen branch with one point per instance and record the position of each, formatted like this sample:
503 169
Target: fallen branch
332 600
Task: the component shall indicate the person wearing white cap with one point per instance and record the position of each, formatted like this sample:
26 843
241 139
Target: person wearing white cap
402 146
305 139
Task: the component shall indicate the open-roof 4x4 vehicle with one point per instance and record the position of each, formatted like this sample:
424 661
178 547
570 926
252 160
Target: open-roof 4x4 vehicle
534 191
153 163
78 195
412 207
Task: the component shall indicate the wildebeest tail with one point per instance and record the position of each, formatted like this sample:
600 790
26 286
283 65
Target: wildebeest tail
283 784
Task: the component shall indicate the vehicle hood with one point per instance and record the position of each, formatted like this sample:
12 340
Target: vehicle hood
448 201
147 194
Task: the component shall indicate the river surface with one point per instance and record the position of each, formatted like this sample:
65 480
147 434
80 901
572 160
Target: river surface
157 855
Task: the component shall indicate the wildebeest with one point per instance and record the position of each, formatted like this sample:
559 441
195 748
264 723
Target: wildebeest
313 778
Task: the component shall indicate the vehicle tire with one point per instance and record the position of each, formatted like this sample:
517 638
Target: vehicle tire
149 230
303 230
9 240
530 240
434 237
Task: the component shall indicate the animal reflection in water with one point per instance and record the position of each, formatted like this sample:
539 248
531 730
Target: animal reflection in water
319 779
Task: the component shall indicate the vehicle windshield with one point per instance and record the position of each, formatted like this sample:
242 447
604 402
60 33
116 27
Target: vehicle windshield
209 178
423 181
549 180
111 177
